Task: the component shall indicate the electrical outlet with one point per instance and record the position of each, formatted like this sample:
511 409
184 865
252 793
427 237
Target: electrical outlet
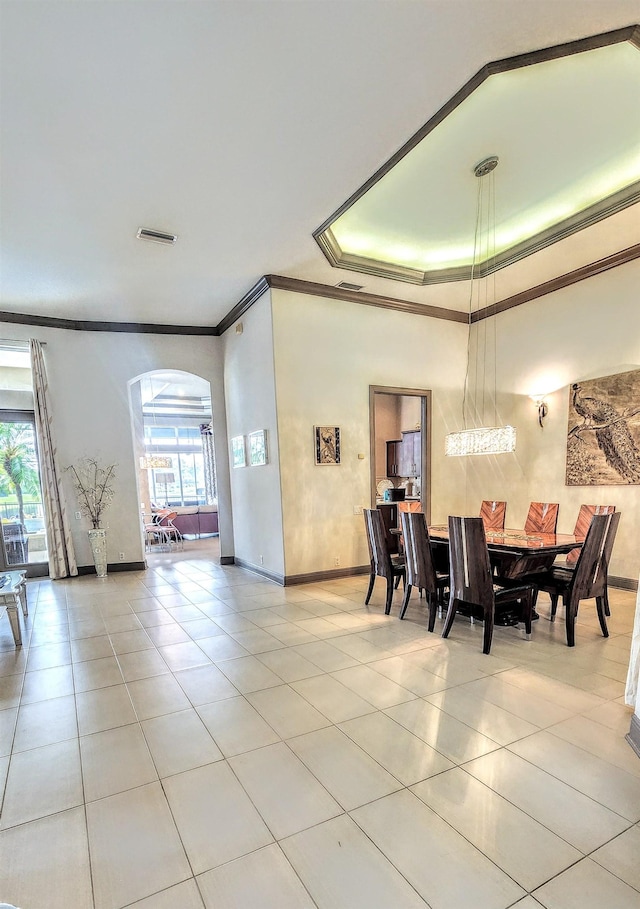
336 561
78 515
262 560
121 556
357 509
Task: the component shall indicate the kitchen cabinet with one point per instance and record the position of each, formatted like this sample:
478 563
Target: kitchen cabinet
394 457
411 453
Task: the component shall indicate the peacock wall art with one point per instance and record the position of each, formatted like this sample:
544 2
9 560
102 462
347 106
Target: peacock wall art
603 440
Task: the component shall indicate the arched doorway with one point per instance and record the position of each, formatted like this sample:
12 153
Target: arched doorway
173 442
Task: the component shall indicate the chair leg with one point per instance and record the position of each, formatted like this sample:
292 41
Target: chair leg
387 608
605 597
432 600
451 614
554 605
397 583
570 620
527 612
372 580
405 600
602 615
488 629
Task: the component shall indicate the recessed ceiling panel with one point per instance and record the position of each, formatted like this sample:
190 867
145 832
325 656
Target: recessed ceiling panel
567 134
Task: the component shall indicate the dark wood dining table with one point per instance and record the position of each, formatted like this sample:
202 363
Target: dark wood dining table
516 553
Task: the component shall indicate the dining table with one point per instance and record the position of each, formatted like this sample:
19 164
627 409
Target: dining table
515 553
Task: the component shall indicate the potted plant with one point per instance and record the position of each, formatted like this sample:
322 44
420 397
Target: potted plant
94 490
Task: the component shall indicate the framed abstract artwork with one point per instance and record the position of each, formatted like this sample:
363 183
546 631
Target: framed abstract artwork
258 448
327 442
603 438
238 452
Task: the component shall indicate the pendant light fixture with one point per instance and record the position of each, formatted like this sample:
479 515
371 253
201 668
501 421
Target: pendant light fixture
152 462
482 438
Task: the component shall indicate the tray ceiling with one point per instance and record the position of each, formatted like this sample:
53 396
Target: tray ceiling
568 144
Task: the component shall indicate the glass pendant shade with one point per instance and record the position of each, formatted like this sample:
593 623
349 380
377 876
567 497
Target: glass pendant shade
483 441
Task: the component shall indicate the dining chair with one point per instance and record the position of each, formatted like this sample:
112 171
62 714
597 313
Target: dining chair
472 583
493 514
420 569
153 531
409 506
542 517
171 532
389 514
582 526
589 578
383 564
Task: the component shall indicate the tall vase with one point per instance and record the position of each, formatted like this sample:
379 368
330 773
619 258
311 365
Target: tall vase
98 540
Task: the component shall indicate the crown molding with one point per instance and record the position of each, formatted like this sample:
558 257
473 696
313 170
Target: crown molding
245 303
566 280
19 318
314 289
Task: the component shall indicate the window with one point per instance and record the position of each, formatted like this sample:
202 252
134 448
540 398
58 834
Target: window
182 483
21 510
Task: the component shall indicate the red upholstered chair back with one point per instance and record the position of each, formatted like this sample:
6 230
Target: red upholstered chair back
492 514
410 507
582 525
590 578
542 517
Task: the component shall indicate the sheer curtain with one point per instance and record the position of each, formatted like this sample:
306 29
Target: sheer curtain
62 558
206 434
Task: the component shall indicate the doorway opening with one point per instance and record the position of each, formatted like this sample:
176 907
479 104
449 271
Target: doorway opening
400 439
173 443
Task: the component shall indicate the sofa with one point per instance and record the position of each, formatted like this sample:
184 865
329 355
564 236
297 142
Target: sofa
196 520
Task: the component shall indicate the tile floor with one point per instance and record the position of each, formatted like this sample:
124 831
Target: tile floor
193 736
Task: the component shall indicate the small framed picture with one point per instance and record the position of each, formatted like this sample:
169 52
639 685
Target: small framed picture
238 452
327 445
258 448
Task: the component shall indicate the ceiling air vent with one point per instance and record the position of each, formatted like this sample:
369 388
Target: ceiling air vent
347 286
144 233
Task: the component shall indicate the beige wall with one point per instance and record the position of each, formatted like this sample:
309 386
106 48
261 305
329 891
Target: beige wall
327 354
409 413
251 405
589 329
387 428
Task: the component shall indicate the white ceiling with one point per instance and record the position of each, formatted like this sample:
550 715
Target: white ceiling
239 126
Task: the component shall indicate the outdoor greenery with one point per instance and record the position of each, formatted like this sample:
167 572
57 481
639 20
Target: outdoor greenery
18 470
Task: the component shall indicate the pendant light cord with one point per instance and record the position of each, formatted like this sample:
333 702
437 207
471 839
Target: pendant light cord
473 268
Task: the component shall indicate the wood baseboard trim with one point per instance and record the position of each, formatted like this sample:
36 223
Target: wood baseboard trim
332 575
112 567
269 575
312 577
227 560
633 736
623 583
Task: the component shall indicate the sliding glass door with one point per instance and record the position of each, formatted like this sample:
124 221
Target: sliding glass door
22 526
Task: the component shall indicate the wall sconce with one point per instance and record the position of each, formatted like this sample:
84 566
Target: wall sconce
543 408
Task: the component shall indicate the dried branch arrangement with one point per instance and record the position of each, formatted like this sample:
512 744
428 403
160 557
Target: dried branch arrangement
93 487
